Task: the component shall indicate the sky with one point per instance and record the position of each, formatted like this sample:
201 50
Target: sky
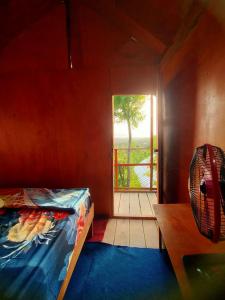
143 129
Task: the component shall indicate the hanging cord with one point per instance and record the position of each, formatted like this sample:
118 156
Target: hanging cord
67 4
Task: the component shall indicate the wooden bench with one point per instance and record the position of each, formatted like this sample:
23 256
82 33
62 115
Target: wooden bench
181 237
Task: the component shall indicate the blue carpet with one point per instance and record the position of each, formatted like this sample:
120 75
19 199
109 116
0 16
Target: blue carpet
117 273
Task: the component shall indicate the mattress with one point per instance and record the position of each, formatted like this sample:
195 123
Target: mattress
37 238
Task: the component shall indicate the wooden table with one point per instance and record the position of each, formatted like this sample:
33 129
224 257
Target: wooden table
181 237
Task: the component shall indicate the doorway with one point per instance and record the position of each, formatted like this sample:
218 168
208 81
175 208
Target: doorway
135 155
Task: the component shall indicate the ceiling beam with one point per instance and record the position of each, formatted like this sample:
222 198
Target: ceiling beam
109 10
189 24
139 32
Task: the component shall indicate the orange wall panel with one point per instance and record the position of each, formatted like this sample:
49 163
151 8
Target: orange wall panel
194 102
56 123
133 80
56 132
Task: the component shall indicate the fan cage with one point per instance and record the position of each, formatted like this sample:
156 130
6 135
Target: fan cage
207 182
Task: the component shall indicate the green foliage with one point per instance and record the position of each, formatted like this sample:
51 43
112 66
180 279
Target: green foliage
127 108
136 142
137 156
122 178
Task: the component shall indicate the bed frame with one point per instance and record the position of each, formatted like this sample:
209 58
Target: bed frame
77 249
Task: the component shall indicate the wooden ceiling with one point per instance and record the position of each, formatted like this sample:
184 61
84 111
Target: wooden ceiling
154 23
160 17
17 15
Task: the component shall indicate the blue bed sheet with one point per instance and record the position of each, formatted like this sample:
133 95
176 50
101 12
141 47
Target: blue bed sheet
35 248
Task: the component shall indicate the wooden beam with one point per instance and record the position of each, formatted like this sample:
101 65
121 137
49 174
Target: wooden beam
128 24
68 33
189 24
139 32
73 33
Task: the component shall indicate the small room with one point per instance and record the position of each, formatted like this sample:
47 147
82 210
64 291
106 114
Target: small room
61 64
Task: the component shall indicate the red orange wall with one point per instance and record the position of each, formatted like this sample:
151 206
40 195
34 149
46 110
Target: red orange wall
194 100
55 123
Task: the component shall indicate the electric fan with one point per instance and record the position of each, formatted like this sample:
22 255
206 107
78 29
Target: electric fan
207 191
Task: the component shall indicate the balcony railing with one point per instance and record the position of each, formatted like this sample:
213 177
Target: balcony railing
142 169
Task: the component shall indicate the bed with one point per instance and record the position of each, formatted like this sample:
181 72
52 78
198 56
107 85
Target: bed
42 232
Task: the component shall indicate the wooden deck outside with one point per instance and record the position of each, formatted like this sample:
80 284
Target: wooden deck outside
134 204
133 233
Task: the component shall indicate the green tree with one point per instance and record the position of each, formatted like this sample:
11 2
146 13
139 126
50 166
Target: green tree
128 108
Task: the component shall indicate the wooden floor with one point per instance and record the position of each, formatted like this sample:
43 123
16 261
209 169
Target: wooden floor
133 233
134 204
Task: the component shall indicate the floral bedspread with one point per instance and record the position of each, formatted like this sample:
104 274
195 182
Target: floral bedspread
64 199
36 246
